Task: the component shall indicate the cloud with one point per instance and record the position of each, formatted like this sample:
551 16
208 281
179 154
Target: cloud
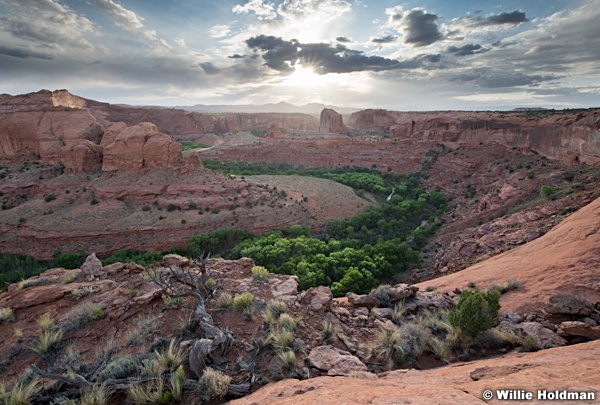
326 10
122 17
466 50
45 24
180 41
282 55
385 40
419 28
262 9
22 53
130 21
344 40
219 30
513 18
495 79
209 68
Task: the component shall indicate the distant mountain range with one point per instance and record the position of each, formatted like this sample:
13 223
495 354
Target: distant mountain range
282 107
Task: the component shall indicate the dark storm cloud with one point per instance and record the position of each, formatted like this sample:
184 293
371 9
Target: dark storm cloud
22 53
420 28
466 50
515 17
502 80
344 40
282 55
236 56
385 40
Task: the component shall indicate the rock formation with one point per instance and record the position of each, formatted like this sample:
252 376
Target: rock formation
141 147
565 136
331 122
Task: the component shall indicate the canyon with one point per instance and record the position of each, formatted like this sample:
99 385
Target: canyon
523 203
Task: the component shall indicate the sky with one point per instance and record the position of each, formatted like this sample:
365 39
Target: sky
399 55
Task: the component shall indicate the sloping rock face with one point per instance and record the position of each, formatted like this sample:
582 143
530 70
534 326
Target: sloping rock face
566 258
43 98
141 147
568 137
331 122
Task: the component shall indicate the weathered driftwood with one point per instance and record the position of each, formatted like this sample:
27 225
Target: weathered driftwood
191 281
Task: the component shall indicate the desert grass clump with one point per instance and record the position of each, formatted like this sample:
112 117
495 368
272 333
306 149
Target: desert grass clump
287 359
269 319
276 306
414 339
176 381
531 344
387 348
121 367
384 294
399 313
149 393
21 392
18 334
145 326
172 302
7 315
45 322
259 273
69 277
440 349
282 339
329 330
214 384
79 293
287 322
243 302
495 338
82 315
48 341
97 394
225 300
170 357
31 282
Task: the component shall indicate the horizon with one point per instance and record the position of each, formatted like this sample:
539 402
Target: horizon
415 55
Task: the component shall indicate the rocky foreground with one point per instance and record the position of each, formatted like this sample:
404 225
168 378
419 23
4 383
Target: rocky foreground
133 315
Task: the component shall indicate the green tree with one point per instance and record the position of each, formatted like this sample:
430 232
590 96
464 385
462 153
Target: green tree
476 312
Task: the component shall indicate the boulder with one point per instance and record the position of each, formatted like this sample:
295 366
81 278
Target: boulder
283 285
382 313
318 298
581 329
543 335
359 300
403 291
335 361
175 260
429 300
92 267
568 304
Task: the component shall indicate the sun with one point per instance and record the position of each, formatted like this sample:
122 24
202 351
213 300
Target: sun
304 76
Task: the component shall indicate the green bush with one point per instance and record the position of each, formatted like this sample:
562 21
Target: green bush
547 191
476 312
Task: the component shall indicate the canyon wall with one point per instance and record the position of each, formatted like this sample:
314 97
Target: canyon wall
85 135
179 122
571 137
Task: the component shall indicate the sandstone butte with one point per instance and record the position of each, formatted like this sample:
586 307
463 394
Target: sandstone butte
566 259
